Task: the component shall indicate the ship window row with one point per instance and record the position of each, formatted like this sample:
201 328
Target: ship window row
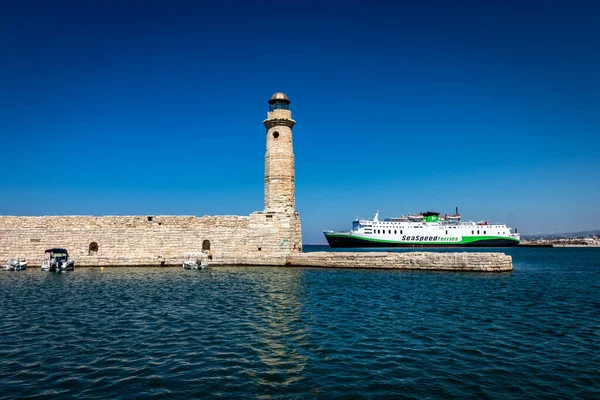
420 226
382 232
448 227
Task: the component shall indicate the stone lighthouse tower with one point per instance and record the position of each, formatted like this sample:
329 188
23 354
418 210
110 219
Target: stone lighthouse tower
279 158
280 202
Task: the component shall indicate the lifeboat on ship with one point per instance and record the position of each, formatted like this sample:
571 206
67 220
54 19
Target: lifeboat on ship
454 217
415 217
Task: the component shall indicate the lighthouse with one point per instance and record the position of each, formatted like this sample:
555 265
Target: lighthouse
279 157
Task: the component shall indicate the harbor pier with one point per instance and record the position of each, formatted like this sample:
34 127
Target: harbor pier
432 261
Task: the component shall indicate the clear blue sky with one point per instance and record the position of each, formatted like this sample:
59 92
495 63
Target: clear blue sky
144 107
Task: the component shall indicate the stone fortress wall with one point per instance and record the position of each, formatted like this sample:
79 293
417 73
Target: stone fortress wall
150 240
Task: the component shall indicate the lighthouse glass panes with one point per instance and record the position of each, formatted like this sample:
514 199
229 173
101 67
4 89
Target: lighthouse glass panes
279 105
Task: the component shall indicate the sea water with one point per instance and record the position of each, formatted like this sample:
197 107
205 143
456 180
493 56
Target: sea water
305 332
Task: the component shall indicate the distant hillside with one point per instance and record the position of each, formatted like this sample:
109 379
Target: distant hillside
564 235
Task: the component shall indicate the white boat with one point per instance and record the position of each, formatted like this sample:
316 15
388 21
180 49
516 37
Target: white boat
423 230
195 260
58 261
15 265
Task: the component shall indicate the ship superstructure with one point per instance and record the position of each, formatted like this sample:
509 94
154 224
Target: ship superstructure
429 229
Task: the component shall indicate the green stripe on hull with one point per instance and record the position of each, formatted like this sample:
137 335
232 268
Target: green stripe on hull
465 240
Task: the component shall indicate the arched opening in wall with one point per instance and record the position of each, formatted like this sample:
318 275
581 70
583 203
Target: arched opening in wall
93 249
275 135
206 245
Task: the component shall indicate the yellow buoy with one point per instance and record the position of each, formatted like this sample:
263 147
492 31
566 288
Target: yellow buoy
101 268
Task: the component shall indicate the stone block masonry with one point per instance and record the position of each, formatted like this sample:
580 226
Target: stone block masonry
467 262
148 240
474 262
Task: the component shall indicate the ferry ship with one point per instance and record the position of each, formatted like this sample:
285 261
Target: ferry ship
428 229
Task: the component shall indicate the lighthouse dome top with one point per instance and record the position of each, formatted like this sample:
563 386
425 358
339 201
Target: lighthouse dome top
279 101
279 97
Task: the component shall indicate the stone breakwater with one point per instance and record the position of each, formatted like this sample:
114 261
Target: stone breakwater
476 262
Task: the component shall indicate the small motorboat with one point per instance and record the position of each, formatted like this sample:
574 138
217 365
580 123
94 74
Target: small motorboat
58 260
197 260
15 265
194 265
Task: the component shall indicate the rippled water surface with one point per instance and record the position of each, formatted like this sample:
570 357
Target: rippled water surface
304 333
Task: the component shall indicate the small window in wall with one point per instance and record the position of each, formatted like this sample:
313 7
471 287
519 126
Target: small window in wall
260 249
484 232
275 135
472 232
401 231
93 249
206 245
446 232
269 217
395 231
150 219
478 231
390 231
378 231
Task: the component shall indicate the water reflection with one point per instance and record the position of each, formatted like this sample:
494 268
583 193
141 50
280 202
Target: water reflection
281 329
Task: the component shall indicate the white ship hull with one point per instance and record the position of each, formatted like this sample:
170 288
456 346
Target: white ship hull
427 233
